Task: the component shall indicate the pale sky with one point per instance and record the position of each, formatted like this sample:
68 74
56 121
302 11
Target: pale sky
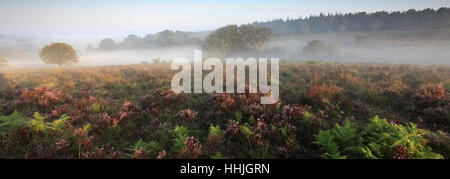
80 18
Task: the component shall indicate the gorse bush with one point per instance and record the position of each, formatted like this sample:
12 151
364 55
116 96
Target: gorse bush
380 139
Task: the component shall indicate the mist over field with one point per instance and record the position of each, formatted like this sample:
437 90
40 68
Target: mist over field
380 49
126 57
408 37
399 33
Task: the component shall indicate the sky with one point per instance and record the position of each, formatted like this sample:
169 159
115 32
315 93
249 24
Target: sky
89 18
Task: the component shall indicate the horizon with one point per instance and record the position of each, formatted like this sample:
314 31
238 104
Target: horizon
84 19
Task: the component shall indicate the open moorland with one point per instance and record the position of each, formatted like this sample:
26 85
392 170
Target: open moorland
326 110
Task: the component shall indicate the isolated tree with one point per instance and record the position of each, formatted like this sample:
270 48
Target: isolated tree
58 53
107 44
315 48
3 62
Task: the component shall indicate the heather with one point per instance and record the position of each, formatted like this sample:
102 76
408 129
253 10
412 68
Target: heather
326 110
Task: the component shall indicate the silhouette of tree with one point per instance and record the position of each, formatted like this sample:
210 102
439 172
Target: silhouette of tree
361 21
315 48
58 53
107 44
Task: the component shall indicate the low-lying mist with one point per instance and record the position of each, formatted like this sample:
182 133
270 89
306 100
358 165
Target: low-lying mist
377 49
125 57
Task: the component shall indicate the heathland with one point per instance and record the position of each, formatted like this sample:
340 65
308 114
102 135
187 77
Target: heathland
358 85
326 110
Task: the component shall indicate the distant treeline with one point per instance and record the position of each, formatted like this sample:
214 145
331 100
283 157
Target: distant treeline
161 39
235 37
361 21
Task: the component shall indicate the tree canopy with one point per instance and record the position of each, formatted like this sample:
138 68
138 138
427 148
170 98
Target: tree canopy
107 44
58 53
232 38
361 21
164 38
254 37
131 41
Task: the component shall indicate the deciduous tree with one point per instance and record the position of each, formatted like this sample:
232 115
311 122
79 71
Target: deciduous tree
58 53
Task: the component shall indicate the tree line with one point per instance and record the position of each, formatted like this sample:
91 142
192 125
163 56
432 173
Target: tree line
234 39
162 39
361 21
225 40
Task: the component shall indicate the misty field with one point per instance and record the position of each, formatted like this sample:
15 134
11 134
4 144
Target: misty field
326 110
356 85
